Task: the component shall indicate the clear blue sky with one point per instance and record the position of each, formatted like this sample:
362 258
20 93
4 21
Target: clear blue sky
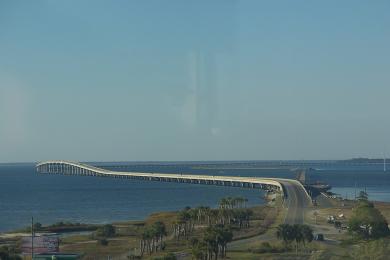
194 80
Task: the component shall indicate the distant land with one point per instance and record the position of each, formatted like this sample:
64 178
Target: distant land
366 160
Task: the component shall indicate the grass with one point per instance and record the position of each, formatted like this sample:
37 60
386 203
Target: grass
267 256
127 235
247 244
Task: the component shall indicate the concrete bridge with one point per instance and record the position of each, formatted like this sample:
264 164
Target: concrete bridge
295 195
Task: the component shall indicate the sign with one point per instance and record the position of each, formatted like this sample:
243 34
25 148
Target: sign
42 244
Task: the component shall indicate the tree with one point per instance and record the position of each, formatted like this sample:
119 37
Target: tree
307 233
298 233
107 230
213 243
223 203
363 196
8 253
103 242
37 226
223 236
184 224
198 249
367 221
152 238
285 232
377 249
242 216
159 231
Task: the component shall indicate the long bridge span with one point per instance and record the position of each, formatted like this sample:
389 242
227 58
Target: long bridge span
295 195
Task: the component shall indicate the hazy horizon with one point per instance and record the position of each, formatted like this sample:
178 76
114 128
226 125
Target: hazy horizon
193 81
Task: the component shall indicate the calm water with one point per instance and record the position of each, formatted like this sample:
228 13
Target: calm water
53 198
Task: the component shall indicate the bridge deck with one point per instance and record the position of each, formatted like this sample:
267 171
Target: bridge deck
294 193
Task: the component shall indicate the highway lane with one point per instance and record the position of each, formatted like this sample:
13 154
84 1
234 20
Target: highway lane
296 201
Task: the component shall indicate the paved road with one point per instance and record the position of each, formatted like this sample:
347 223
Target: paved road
297 202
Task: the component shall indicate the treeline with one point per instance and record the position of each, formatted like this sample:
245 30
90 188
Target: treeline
9 253
213 228
231 212
61 227
300 234
213 243
152 238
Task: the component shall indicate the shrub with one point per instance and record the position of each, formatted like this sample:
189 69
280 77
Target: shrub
377 249
103 242
367 221
266 247
5 253
169 256
106 231
37 226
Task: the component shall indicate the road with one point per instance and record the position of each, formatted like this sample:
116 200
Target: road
297 202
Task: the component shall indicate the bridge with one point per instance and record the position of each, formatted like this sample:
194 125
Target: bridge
295 195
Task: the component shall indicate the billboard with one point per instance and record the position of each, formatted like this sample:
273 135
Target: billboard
42 244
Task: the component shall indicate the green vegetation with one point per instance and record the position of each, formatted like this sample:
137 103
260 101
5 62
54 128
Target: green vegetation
298 233
60 227
377 249
207 231
213 244
196 233
107 230
103 242
266 247
168 256
9 253
152 238
367 222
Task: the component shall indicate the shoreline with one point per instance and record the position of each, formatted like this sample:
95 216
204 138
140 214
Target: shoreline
72 227
20 232
262 229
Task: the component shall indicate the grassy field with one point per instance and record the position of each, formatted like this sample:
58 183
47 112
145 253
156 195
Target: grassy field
126 241
247 243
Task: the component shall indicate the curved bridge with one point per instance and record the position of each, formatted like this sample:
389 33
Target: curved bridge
296 197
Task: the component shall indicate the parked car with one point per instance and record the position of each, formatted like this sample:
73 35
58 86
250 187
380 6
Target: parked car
319 237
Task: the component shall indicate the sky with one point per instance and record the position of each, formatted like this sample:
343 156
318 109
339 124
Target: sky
194 80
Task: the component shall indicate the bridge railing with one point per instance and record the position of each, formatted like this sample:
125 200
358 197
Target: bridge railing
67 167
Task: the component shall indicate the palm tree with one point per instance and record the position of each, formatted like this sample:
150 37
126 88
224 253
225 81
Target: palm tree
245 201
241 201
201 210
363 196
230 202
159 232
210 242
223 203
224 236
145 243
307 234
297 235
216 239
198 249
284 232
207 214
